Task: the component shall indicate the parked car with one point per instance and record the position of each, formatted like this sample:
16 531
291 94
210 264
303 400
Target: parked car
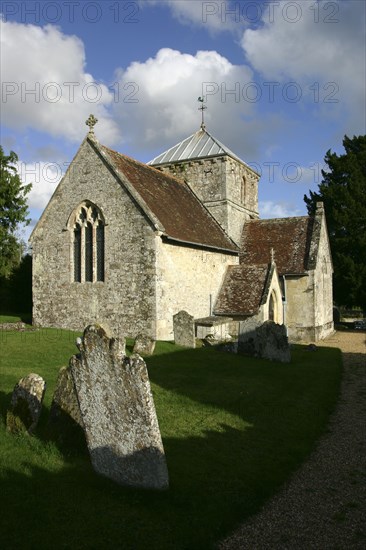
360 325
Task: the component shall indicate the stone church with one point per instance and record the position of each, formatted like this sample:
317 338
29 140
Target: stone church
131 244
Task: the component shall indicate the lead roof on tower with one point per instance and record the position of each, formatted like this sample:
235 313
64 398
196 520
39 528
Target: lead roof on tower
197 146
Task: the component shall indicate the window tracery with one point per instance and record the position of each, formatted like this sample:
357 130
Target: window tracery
88 244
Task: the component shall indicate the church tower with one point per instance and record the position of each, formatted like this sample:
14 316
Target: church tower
226 185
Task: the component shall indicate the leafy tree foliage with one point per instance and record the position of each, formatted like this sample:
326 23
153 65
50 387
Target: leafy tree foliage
13 211
343 191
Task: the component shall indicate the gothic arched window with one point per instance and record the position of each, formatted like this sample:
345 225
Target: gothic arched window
273 308
88 236
243 190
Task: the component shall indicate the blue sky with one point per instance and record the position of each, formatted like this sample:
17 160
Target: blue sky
283 82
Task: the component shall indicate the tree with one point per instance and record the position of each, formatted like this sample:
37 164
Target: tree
343 192
13 211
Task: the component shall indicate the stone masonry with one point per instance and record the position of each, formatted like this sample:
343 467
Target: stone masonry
227 187
130 256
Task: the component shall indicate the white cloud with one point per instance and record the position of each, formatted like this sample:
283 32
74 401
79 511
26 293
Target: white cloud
270 209
324 44
45 86
44 177
214 16
167 87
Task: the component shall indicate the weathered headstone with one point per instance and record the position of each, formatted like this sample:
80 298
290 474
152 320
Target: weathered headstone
144 345
65 398
272 342
184 329
118 412
268 341
26 404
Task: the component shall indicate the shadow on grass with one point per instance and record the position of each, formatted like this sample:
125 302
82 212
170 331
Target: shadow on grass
210 493
4 404
13 317
233 431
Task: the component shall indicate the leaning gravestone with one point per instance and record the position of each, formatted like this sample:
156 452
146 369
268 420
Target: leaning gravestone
144 345
26 404
65 399
184 329
118 412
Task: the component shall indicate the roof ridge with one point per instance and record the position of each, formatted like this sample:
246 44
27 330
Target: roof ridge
265 220
141 190
148 166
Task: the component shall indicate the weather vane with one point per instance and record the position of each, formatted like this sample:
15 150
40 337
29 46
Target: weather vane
91 122
202 108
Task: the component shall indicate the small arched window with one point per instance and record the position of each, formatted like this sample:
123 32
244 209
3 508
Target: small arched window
88 249
273 307
243 190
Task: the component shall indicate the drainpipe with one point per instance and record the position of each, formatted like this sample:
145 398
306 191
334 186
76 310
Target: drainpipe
284 303
210 305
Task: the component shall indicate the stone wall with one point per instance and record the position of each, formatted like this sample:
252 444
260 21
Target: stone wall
126 301
187 279
323 289
309 311
227 187
300 307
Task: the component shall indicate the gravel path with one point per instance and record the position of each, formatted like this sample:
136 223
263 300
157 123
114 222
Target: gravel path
324 504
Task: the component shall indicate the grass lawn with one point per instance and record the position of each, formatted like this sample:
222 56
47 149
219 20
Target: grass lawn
16 318
233 428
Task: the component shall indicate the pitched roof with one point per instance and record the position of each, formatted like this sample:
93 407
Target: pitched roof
197 146
289 237
180 215
243 289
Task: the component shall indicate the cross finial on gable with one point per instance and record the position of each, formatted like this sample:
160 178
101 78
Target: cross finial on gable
202 108
91 122
272 256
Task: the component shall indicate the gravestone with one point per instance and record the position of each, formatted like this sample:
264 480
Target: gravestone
144 345
272 342
184 329
65 403
118 412
268 341
26 404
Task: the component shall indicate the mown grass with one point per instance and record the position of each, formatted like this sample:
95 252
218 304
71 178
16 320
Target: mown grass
233 428
15 318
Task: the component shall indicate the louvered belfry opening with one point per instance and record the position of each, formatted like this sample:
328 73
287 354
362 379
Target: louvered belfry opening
89 245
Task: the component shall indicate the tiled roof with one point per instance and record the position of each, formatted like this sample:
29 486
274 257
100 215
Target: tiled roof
242 290
181 215
289 238
197 146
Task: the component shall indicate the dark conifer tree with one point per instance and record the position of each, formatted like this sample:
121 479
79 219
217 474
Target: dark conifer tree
343 192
